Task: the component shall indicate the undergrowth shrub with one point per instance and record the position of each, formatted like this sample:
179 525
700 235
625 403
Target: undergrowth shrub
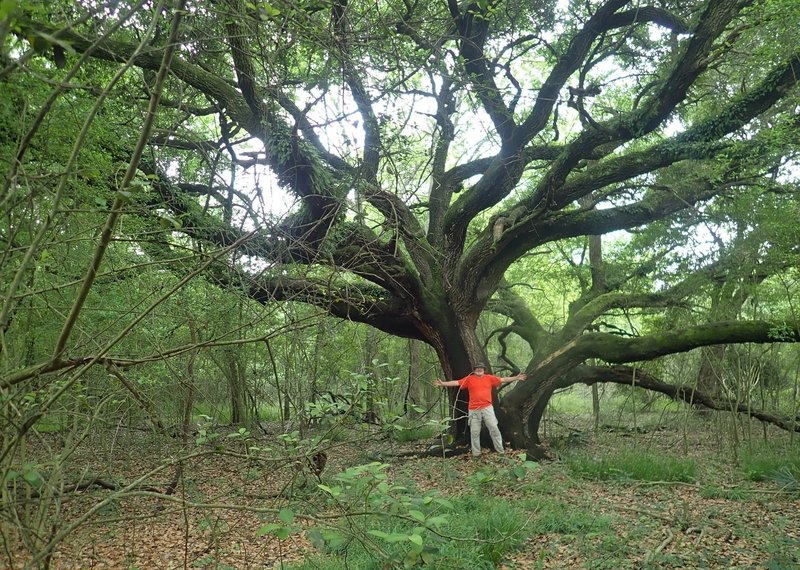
484 530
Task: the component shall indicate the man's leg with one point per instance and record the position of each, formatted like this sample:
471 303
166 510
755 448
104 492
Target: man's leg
474 420
494 431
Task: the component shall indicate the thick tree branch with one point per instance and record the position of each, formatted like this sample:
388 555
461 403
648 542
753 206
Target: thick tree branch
442 186
506 170
618 350
567 64
676 295
300 170
631 376
601 304
473 27
647 14
372 137
692 62
348 301
697 142
526 325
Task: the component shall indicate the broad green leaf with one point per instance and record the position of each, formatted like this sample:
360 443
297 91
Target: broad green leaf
286 515
267 528
332 491
33 478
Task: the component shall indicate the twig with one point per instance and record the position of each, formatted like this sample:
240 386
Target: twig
660 547
701 532
673 483
648 513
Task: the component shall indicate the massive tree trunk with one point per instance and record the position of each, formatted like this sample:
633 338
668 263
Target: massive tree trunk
457 353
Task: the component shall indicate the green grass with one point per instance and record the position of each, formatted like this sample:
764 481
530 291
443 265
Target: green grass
498 527
269 413
766 466
577 401
556 517
47 427
218 414
571 402
413 433
630 465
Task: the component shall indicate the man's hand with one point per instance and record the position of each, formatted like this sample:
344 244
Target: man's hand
438 383
522 376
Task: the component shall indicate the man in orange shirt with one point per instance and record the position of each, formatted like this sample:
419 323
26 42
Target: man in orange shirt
480 386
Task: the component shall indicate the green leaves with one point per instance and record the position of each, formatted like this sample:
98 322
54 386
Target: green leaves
326 539
29 473
7 7
242 433
286 515
281 531
783 333
332 491
393 513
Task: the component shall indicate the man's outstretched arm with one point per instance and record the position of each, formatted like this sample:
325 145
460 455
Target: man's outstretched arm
518 378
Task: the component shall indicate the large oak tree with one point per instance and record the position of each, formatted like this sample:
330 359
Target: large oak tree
430 148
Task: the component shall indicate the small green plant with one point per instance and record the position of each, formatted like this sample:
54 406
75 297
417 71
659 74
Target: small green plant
509 468
327 410
401 522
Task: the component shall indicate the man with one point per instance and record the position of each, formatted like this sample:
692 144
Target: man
480 385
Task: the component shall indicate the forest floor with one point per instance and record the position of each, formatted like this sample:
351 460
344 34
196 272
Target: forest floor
556 515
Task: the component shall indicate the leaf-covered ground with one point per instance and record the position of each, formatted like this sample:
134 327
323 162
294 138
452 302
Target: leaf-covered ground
719 518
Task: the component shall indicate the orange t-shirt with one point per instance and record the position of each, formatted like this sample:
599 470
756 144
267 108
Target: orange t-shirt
480 389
